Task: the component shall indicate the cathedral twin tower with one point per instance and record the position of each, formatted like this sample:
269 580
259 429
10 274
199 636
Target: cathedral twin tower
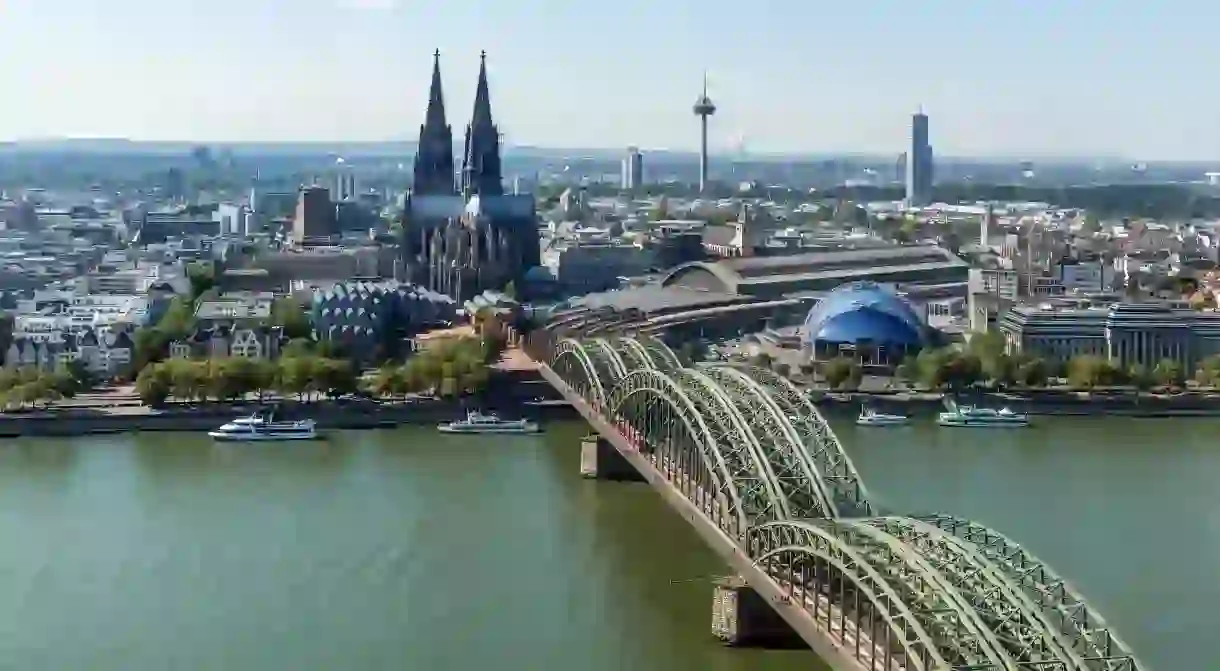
462 234
434 161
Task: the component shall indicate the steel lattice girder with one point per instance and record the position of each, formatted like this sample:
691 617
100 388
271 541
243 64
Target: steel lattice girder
1085 630
908 627
738 446
797 475
630 402
946 614
844 483
1015 621
633 353
571 363
612 368
662 356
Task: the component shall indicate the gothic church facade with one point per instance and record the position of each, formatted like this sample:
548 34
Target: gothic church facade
462 234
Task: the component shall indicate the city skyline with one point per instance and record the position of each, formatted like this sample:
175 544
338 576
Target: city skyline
1062 81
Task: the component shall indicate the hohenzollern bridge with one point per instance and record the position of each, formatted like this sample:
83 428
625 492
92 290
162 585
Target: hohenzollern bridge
747 459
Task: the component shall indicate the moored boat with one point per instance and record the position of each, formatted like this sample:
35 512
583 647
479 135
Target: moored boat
970 416
264 428
477 422
870 417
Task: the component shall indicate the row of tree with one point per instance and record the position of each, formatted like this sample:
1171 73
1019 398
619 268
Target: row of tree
231 378
451 368
31 386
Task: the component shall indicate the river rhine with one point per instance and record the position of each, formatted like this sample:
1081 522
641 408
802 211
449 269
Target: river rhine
410 550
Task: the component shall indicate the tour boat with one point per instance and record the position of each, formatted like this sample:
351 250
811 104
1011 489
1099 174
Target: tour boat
477 422
971 416
870 417
261 428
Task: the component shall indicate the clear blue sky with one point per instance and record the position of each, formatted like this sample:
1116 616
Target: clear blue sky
1029 77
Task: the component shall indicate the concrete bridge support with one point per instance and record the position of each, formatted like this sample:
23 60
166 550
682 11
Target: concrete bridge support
599 460
740 617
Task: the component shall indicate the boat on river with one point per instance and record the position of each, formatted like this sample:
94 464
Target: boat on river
870 417
477 422
970 416
263 427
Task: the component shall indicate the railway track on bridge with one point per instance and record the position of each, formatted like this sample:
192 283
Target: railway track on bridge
749 461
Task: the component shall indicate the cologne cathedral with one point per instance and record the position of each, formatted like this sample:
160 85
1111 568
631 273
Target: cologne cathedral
462 233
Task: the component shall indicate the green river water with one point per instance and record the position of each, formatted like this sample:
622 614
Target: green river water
406 549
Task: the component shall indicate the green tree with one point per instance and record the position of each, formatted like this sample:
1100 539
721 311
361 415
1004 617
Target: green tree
1031 372
1168 373
296 375
153 384
178 320
1208 373
202 277
388 381
839 371
1140 377
291 316
335 377
297 347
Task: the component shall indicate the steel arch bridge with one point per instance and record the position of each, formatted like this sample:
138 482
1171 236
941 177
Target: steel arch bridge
756 458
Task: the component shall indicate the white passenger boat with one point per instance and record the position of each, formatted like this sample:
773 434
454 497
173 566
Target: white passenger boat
263 428
970 416
870 417
477 422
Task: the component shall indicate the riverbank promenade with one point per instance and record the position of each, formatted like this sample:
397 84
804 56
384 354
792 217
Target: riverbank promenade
753 467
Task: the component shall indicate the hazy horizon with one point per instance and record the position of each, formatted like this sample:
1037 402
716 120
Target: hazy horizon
597 152
1081 79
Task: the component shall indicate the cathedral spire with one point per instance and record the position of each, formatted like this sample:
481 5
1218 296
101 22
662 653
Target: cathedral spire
436 99
434 155
481 160
482 98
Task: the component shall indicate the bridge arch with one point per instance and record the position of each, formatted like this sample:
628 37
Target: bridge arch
1080 625
571 362
613 367
796 474
739 445
650 403
634 352
1026 634
661 355
845 486
785 551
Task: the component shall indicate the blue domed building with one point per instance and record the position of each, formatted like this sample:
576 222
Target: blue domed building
878 326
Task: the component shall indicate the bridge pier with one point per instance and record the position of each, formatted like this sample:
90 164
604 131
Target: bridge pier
599 460
740 617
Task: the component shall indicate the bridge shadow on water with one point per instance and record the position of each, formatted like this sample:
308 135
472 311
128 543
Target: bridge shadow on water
659 570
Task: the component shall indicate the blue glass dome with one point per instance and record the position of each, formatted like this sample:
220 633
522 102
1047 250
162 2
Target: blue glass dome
864 311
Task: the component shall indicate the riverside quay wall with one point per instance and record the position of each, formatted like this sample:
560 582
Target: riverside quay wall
328 415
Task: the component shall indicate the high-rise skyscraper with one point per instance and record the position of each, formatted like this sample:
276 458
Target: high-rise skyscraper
633 169
919 163
704 108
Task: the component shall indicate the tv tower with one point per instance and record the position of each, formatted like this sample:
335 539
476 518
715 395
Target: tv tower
704 108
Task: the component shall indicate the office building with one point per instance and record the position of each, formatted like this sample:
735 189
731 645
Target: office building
633 169
315 215
919 164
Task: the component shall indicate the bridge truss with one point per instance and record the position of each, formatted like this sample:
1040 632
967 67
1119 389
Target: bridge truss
751 451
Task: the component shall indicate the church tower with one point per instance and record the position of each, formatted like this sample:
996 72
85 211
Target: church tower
434 155
481 160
